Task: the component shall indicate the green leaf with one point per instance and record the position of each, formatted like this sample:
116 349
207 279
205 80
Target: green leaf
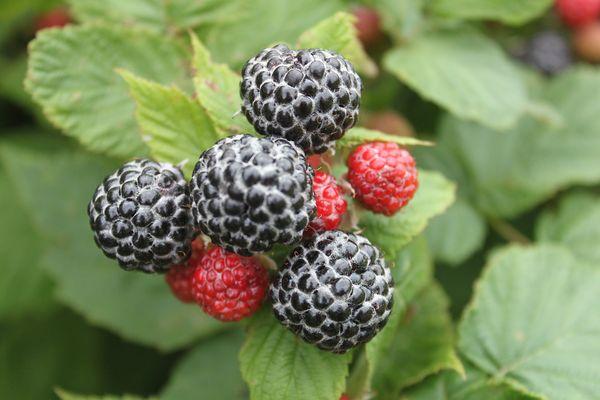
434 196
71 74
401 18
278 365
418 345
338 33
63 395
175 127
217 89
449 385
455 235
513 12
532 325
464 72
356 136
24 288
138 307
510 172
574 224
156 15
56 349
211 369
257 24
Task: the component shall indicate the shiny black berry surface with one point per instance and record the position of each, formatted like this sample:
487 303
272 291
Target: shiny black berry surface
334 291
141 216
250 193
310 97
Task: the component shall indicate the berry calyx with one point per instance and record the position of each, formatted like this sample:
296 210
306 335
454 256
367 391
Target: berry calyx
179 277
227 286
331 204
383 176
576 13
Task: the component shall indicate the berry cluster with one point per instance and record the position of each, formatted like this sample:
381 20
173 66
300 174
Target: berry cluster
248 194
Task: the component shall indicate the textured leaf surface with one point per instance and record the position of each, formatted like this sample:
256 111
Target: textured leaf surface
71 74
420 344
356 136
338 33
531 324
514 12
576 225
257 24
449 385
24 287
277 365
464 72
456 234
156 15
136 306
210 371
509 172
434 196
175 127
217 89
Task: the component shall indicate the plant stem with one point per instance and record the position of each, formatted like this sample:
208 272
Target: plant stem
507 231
358 380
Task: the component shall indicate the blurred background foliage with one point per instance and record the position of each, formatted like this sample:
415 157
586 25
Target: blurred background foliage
522 147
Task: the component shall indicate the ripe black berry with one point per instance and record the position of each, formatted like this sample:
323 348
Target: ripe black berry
334 291
250 193
141 216
309 96
548 52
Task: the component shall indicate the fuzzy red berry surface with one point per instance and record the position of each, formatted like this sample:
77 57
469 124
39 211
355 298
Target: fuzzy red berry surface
344 397
227 286
331 204
383 176
56 18
179 277
576 13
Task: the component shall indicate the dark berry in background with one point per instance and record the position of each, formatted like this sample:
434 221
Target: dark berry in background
548 52
250 193
141 216
334 291
310 97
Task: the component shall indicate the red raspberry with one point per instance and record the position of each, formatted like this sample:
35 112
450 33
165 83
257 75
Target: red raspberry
576 13
56 18
383 176
229 287
331 204
344 397
368 26
180 276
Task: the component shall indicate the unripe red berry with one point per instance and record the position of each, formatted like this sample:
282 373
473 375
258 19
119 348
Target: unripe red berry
383 176
331 204
227 286
576 13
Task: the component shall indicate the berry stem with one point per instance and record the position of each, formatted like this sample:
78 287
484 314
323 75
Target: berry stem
358 381
507 231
